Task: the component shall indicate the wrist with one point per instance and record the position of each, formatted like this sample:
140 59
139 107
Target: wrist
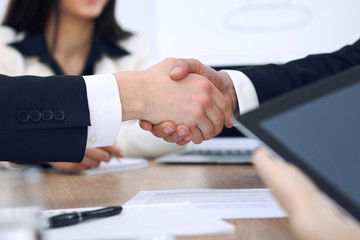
230 90
131 92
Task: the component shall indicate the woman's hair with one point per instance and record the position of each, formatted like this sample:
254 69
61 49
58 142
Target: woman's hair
32 16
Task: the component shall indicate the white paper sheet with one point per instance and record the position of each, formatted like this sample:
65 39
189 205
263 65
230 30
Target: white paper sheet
115 165
182 219
223 203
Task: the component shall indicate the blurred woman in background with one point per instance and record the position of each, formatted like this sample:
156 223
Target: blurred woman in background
77 37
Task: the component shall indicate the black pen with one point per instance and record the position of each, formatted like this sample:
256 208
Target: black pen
68 219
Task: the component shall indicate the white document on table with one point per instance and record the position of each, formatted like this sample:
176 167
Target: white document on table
181 219
223 203
118 165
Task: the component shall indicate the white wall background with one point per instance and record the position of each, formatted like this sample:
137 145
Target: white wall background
215 31
3 6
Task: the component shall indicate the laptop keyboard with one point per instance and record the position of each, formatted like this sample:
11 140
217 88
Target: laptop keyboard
218 152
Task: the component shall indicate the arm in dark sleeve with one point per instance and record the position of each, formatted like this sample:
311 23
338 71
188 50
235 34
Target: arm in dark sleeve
271 80
43 119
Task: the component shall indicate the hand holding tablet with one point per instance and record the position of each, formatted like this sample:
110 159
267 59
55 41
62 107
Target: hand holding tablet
311 214
317 128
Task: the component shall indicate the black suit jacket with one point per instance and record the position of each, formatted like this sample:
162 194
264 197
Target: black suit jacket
43 118
272 80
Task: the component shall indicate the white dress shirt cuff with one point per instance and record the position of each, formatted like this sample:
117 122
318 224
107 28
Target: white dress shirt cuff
105 110
245 91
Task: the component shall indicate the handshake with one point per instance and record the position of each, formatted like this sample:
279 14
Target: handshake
180 100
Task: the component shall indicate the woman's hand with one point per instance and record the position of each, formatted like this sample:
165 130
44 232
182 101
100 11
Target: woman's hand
92 159
311 214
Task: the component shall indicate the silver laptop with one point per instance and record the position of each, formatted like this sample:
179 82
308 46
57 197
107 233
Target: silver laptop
222 150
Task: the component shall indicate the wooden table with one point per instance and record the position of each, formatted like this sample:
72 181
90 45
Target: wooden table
77 191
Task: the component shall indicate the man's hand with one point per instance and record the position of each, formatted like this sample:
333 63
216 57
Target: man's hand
194 101
182 67
92 159
221 80
312 216
180 134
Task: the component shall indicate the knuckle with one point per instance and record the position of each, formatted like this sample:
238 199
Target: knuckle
205 84
198 114
203 100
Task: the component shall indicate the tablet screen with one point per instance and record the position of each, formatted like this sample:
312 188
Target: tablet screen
325 135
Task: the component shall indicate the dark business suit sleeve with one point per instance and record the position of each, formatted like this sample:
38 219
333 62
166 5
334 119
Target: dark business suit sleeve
272 80
43 119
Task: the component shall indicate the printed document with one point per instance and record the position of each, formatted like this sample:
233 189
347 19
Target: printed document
223 203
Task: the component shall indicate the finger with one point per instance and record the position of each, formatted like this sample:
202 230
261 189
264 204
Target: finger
186 66
224 104
197 136
75 168
267 168
185 141
145 125
164 129
68 167
210 119
289 185
98 154
271 173
182 131
183 67
216 113
230 98
213 124
89 162
206 128
114 150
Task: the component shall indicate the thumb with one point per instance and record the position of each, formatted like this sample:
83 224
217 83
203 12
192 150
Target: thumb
179 72
183 67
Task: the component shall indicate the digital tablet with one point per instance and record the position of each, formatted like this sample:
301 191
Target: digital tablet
317 128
